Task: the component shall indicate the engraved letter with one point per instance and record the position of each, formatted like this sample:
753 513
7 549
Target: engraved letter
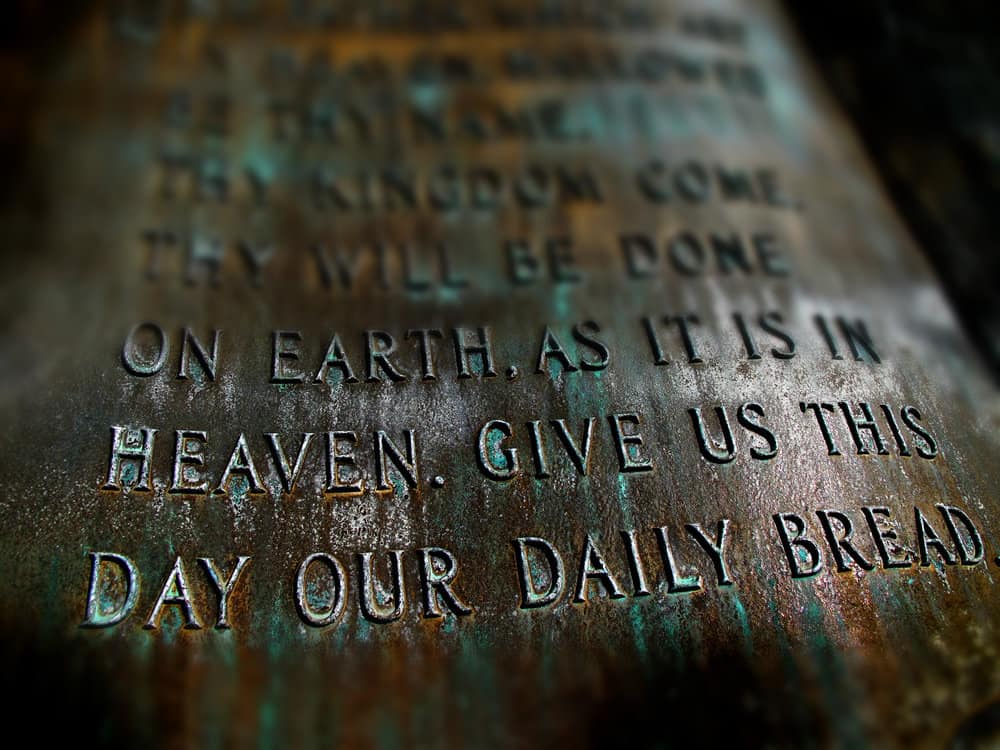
463 349
831 446
284 348
336 357
209 363
581 332
425 337
628 459
640 586
288 473
640 255
580 456
335 459
224 590
552 349
806 548
842 544
257 258
371 608
715 549
976 555
137 366
867 422
437 571
676 583
910 416
592 566
757 429
385 448
379 345
490 451
124 445
174 591
187 454
881 536
96 617
240 462
319 618
531 597
927 538
706 444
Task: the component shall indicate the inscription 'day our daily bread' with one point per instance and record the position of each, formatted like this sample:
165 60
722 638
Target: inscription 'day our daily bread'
427 582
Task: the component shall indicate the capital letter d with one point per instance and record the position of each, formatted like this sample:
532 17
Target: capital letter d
97 617
530 596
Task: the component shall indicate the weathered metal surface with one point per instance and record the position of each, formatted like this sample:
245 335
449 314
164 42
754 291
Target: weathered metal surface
662 222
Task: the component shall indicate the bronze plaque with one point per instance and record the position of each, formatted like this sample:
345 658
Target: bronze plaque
477 374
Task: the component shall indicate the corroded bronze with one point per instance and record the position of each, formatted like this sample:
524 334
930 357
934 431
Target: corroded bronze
493 375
